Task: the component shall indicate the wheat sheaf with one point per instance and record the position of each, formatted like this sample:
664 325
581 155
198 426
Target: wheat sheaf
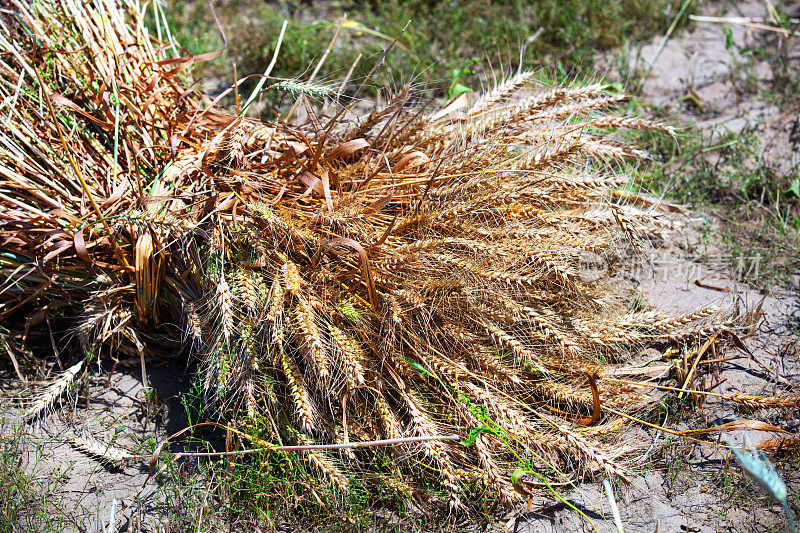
416 272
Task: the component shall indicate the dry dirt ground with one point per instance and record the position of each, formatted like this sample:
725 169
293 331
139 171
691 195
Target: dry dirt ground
687 487
111 409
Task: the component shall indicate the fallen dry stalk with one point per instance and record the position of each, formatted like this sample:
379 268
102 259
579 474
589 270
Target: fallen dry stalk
757 23
321 447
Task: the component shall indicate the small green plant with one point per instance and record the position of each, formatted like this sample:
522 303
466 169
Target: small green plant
191 401
526 470
794 187
466 69
30 499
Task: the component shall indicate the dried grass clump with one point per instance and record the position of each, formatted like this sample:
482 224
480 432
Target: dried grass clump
413 273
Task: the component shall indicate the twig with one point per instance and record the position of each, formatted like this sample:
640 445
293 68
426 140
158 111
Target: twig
613 503
347 77
312 447
697 360
743 21
12 357
733 20
663 43
700 282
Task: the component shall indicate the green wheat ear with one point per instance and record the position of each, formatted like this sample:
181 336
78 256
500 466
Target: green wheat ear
296 87
351 313
760 470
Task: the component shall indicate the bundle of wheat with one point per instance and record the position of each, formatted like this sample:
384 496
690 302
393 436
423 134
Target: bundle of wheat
410 273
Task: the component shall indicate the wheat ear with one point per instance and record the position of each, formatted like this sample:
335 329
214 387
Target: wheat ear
351 355
225 308
504 488
391 428
53 391
594 453
765 402
433 449
104 452
311 340
247 291
500 92
304 409
328 469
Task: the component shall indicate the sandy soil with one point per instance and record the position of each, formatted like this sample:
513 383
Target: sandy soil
110 408
731 84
